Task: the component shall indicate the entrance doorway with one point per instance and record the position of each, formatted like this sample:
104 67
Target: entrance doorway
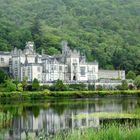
74 78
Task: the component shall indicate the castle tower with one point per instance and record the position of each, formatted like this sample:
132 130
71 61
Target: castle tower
65 49
29 48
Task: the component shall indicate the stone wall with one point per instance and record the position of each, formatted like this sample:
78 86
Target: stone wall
112 74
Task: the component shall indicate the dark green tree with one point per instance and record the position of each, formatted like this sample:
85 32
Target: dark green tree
10 86
137 82
19 87
110 37
124 85
35 84
3 76
59 86
52 51
24 83
131 75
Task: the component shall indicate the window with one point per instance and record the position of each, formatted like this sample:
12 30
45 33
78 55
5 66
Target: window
75 61
66 69
23 72
38 69
16 62
90 70
83 122
2 60
82 71
29 72
60 68
54 67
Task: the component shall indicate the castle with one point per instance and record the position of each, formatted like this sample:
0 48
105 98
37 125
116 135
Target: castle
69 66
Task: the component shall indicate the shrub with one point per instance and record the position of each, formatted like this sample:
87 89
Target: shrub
59 86
46 91
3 76
29 88
99 87
80 86
131 75
91 87
44 87
10 86
20 87
24 83
35 84
137 81
52 88
119 87
124 85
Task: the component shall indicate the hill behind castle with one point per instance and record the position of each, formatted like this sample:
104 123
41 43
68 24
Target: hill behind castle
106 30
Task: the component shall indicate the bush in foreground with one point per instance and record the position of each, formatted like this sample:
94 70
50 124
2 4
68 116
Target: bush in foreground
35 85
10 86
58 86
109 132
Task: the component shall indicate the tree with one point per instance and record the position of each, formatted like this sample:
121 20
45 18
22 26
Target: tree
19 87
24 83
10 86
124 85
16 81
35 84
52 51
3 76
131 75
137 82
59 86
114 35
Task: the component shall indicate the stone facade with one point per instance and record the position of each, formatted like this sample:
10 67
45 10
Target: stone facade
69 66
26 63
112 74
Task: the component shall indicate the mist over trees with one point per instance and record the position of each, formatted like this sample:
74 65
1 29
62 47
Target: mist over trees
106 30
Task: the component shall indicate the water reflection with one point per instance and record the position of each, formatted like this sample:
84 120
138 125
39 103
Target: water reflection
20 119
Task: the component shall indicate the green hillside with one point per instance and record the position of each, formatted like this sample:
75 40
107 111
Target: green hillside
106 30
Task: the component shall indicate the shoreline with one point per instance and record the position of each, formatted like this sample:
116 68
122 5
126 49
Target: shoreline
31 95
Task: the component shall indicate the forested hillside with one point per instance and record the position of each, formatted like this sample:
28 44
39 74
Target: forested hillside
106 30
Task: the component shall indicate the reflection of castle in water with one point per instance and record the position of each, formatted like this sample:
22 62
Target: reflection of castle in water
51 121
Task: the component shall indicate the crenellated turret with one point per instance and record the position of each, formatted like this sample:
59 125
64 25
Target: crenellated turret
29 48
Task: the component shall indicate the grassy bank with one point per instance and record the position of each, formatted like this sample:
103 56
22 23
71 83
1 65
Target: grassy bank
109 132
94 93
75 94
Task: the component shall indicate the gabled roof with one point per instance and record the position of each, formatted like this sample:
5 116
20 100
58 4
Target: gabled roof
5 53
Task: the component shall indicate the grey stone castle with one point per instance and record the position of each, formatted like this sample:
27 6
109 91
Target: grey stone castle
70 65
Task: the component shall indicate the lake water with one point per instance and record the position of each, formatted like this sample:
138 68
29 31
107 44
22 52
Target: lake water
20 119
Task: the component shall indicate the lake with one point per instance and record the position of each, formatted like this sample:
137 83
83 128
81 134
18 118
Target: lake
19 119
